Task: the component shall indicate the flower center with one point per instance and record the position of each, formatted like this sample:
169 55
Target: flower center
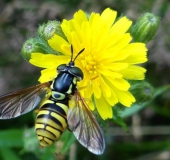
90 64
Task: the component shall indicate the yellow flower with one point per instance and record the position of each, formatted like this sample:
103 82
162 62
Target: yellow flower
108 61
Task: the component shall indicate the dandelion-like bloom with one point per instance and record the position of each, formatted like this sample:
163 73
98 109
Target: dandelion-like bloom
108 61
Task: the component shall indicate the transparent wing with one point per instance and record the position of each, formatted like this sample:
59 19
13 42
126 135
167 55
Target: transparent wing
85 127
21 101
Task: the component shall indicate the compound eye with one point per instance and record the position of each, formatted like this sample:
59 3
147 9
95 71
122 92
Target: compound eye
61 68
77 72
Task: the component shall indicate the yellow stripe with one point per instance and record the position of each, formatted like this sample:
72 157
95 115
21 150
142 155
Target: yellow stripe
74 80
54 131
52 85
61 119
50 122
63 106
39 126
48 141
44 133
70 89
42 112
43 143
40 138
46 102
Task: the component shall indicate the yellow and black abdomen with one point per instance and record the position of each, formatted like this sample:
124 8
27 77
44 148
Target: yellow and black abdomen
51 121
52 116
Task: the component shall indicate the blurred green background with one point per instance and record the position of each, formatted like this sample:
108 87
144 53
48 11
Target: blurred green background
148 135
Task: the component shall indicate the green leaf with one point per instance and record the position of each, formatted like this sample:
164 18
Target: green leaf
47 153
11 138
161 90
132 110
8 154
68 139
118 119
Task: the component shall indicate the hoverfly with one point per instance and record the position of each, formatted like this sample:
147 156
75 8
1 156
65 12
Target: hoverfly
54 114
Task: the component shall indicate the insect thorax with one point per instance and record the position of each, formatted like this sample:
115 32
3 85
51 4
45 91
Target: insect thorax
63 86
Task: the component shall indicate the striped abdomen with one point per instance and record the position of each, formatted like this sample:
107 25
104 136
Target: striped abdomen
51 121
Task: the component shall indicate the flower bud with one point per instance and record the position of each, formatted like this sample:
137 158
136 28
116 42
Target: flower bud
145 28
47 31
142 91
40 30
35 45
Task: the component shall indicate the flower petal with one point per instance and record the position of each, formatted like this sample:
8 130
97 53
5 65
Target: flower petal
108 17
116 66
124 97
120 83
87 36
80 16
47 75
104 108
112 100
106 72
96 89
133 72
66 29
121 26
105 88
56 42
47 60
137 53
76 40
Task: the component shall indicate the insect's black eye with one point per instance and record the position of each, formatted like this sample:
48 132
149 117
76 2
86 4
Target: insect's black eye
61 68
77 72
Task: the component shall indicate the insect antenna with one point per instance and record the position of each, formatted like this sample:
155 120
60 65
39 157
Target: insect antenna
78 54
71 52
72 61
